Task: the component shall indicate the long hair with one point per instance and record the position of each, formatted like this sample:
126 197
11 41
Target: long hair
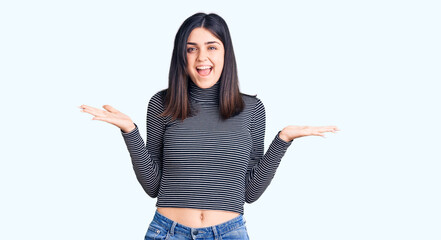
177 97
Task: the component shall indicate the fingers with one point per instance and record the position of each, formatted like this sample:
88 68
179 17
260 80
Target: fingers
91 110
110 108
301 131
100 118
96 111
320 130
333 129
112 115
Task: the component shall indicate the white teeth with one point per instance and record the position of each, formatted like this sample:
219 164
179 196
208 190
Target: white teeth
203 67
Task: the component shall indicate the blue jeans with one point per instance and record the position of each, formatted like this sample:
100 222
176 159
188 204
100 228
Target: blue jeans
164 228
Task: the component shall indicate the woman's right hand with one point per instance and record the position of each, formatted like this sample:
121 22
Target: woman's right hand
111 116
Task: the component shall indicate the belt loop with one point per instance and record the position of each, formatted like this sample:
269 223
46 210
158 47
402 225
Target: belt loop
215 232
172 229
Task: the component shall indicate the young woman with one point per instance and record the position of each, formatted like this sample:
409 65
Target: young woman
203 157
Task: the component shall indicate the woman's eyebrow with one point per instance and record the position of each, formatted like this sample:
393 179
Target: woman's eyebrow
192 43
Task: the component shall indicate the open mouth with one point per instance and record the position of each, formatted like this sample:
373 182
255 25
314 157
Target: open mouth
204 71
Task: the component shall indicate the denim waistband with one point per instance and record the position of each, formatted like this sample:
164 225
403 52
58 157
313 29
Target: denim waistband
211 231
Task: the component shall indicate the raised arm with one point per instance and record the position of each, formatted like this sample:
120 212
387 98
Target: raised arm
262 168
147 159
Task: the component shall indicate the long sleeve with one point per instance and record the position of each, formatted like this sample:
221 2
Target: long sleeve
262 168
147 159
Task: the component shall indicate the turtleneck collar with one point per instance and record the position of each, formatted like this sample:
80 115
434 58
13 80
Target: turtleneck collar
204 95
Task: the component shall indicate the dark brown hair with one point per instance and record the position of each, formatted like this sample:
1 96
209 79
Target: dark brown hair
176 98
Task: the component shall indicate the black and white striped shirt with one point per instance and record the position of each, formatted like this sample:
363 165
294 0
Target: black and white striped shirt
205 162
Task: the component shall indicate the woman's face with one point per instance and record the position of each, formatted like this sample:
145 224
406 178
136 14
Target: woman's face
205 57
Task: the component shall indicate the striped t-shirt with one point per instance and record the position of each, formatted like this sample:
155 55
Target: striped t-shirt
205 162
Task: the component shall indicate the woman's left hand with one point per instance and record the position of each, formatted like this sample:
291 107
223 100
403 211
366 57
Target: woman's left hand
291 132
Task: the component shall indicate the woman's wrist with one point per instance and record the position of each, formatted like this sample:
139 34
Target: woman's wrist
284 137
129 128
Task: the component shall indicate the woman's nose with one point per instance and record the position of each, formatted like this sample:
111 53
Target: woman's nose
202 56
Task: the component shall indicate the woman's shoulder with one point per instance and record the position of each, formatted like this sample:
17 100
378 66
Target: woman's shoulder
158 99
159 95
250 99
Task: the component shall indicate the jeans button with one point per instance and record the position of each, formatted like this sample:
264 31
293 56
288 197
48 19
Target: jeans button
195 232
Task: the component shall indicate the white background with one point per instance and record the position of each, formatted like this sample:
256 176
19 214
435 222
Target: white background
370 67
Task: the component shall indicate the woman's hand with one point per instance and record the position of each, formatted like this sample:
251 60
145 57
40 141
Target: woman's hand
291 132
111 116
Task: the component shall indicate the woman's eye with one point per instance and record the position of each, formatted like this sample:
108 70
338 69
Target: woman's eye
190 49
214 48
